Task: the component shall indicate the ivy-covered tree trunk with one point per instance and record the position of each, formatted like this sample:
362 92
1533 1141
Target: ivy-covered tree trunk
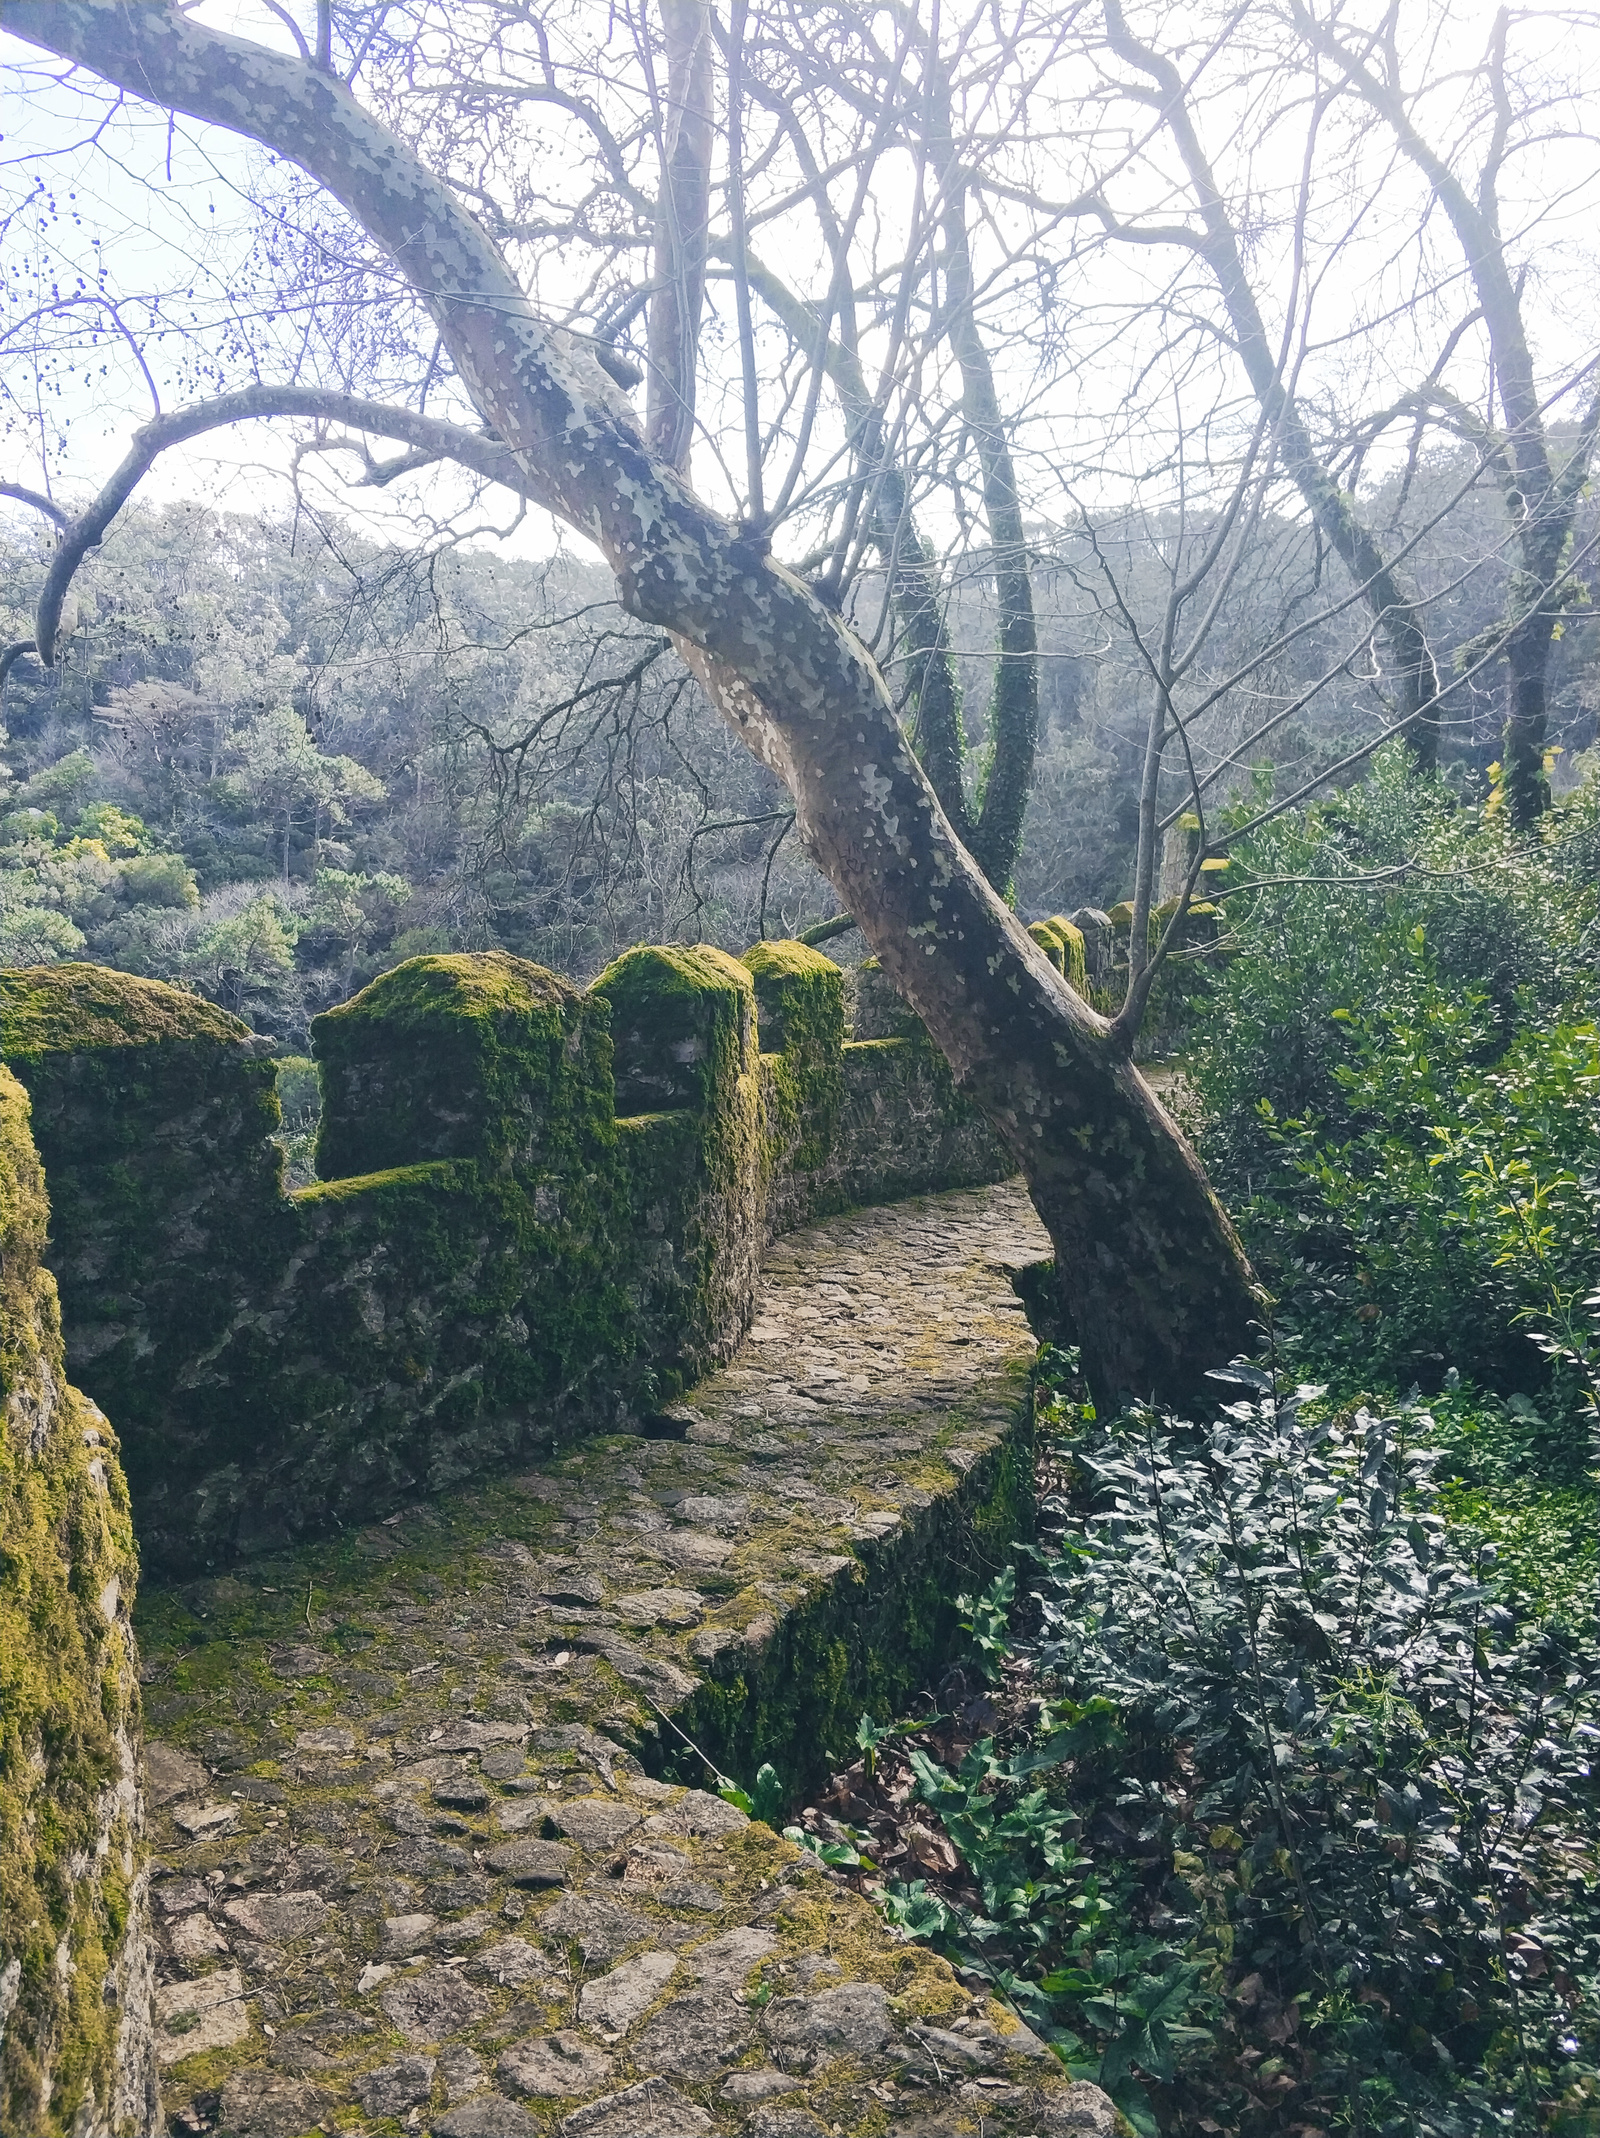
1151 1272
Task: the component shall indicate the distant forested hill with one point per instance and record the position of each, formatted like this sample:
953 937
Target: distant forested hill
278 758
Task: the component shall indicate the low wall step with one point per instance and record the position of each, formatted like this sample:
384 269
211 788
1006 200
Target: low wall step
434 1853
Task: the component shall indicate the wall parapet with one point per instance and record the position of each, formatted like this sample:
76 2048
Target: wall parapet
76 2046
541 1213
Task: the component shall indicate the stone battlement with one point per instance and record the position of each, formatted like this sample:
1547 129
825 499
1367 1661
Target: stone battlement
540 1214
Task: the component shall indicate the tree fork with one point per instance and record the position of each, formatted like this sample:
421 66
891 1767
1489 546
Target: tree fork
1151 1272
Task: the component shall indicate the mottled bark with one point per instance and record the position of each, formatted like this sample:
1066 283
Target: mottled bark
1151 1271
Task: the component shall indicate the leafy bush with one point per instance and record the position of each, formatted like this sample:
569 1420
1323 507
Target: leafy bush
1302 1834
1452 1213
1510 929
1399 1083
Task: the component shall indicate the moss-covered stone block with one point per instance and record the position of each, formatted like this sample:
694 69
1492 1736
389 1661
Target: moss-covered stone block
879 1010
484 1057
541 1213
1063 945
153 1112
800 999
683 1025
75 2047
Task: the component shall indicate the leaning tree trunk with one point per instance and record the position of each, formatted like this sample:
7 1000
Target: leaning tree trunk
1151 1271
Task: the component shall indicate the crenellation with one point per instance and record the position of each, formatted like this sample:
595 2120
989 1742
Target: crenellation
540 1213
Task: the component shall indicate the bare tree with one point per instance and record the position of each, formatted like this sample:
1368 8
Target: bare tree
1541 485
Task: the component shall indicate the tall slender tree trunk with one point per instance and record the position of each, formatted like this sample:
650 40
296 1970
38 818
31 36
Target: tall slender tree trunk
1396 614
682 217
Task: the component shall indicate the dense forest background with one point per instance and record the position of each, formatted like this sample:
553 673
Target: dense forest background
279 757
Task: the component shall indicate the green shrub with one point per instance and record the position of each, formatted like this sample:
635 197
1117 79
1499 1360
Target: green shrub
1449 1214
1510 930
1303 1835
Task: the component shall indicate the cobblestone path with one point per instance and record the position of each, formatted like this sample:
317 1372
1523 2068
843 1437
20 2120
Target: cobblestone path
413 1876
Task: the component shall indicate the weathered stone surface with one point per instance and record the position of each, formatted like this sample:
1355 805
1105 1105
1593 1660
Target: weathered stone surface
1079 2111
195 1937
465 1930
463 2072
512 1963
437 2002
531 1862
723 1962
592 1822
171 1773
278 1916
490 2116
405 1934
175 1896
601 1929
784 2123
463 1793
393 2088
258 2104
741 2088
806 2032
553 2066
652 2109
695 2037
192 2017
203 1822
330 1737
616 2000
661 1607
486 1685
697 1816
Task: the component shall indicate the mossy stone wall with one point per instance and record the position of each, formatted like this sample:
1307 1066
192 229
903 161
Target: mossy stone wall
75 1987
683 1025
1062 943
484 1057
541 1213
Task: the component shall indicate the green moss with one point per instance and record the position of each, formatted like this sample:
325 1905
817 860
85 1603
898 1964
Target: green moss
867 1641
61 1009
68 1692
1062 944
451 1057
490 1262
677 1015
800 1000
683 1025
433 1173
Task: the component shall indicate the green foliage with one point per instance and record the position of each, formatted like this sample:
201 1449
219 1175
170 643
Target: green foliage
1509 931
1457 1210
1399 1083
765 1801
1304 1834
986 1621
300 1105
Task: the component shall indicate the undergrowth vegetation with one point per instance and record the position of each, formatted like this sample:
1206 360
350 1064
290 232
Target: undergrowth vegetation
1266 1796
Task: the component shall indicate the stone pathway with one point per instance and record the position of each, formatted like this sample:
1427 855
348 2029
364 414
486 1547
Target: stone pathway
413 1876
